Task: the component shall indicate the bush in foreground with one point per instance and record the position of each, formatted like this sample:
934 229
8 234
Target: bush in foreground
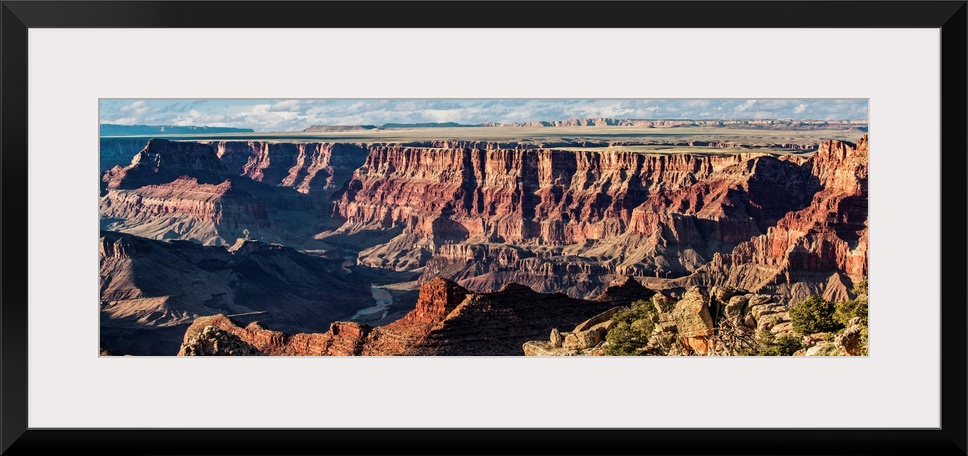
632 330
814 315
785 345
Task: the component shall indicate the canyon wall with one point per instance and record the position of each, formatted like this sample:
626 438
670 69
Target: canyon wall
188 190
564 220
317 169
555 220
820 249
526 235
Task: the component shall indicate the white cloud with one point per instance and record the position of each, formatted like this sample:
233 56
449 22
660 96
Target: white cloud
286 105
136 105
123 121
289 115
745 106
138 108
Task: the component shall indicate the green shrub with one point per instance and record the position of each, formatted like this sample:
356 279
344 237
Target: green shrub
814 315
633 329
847 310
785 345
857 307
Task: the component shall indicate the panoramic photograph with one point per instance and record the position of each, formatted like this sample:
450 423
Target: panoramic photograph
483 227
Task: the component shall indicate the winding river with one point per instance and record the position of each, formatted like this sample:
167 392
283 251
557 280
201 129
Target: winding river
383 302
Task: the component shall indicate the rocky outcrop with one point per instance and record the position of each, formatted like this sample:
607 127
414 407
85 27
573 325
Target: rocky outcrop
587 339
212 341
851 341
689 325
343 339
447 320
694 325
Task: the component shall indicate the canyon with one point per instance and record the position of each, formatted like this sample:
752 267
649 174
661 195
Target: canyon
482 244
448 320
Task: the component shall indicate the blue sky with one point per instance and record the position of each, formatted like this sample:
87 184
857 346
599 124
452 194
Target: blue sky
294 115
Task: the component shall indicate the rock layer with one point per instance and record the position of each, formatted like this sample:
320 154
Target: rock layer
486 217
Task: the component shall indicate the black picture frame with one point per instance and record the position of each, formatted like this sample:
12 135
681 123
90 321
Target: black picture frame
17 17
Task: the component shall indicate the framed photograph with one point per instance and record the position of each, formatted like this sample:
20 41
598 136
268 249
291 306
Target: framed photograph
471 227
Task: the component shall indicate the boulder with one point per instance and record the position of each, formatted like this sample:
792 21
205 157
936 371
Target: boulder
585 339
851 341
555 338
691 315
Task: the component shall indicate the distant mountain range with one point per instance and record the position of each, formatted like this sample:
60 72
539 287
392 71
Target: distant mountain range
149 130
609 122
133 130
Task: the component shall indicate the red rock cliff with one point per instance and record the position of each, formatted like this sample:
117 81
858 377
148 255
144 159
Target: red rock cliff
181 190
706 203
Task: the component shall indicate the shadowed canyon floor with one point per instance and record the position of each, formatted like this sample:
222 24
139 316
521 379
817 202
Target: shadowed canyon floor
465 240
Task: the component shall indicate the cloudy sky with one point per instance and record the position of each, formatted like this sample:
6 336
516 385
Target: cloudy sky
292 115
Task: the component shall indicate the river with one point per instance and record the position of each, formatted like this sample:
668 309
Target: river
383 302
